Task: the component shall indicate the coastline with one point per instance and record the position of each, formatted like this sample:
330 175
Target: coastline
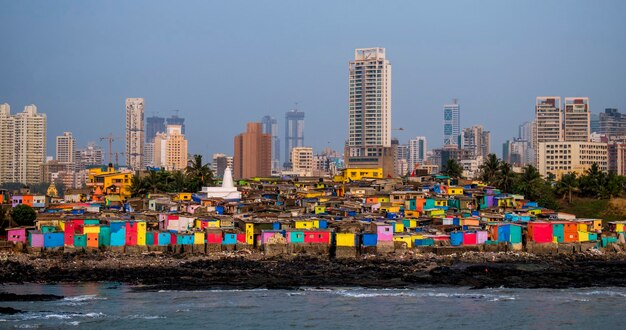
250 271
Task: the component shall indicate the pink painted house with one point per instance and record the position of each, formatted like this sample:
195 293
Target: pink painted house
17 235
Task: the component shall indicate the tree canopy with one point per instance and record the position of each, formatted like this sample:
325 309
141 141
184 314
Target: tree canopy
23 215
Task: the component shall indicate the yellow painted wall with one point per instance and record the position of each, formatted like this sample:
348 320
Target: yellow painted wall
455 191
198 238
362 173
304 224
91 229
411 214
250 233
345 239
320 209
141 233
399 228
403 238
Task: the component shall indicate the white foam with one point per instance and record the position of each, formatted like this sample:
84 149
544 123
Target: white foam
603 293
84 298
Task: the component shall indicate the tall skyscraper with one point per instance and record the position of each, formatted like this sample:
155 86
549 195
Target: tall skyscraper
134 133
270 126
154 125
220 163
369 101
294 133
612 122
576 118
417 151
594 123
7 144
369 112
30 145
451 123
66 146
176 120
170 149
477 141
253 153
548 119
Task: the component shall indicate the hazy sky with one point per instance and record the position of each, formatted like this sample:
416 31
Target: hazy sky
223 63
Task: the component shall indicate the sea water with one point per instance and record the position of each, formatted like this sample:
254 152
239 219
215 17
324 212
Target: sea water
110 305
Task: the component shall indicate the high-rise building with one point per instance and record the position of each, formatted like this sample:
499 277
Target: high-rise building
477 141
134 133
148 153
548 123
170 149
154 125
253 153
417 151
7 144
30 145
294 133
517 152
66 145
270 126
594 123
302 160
369 101
612 123
451 123
576 119
220 163
525 131
176 120
90 156
369 112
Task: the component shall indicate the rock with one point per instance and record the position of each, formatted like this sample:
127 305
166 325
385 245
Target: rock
9 311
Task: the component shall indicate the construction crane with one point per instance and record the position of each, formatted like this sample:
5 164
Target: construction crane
110 140
117 155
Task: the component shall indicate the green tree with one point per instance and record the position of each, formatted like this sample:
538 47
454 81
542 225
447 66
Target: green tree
489 170
178 182
453 169
198 174
529 183
567 185
592 181
505 178
23 215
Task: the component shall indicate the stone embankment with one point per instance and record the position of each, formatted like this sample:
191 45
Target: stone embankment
251 270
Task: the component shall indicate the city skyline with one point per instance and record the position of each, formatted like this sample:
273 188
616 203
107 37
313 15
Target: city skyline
497 69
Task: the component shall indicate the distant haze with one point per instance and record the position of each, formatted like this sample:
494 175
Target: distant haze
223 63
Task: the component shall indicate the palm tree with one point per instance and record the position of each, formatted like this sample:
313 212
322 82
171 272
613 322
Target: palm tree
529 183
567 185
489 169
453 169
505 177
178 182
137 186
198 173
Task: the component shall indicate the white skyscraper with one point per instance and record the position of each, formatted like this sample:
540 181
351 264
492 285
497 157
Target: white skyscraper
451 123
576 119
134 133
30 145
369 102
7 144
369 112
476 140
66 146
417 151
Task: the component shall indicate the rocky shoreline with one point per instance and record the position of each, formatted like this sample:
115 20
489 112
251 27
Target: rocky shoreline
248 271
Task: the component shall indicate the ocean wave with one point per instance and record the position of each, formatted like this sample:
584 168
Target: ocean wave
417 294
58 316
86 297
603 293
145 317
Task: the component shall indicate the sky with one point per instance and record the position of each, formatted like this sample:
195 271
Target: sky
225 63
